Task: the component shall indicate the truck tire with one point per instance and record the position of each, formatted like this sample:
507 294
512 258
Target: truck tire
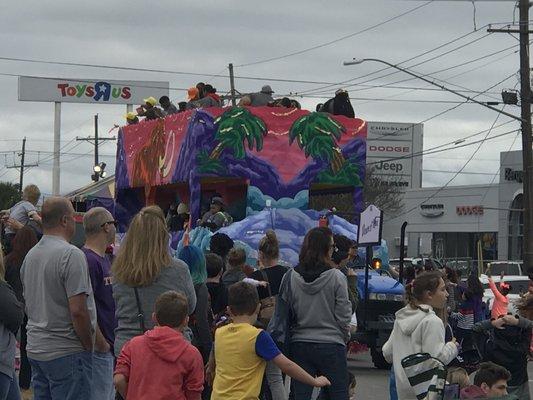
378 360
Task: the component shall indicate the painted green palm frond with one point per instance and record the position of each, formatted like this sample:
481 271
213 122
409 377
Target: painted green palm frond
238 150
295 131
237 125
206 165
314 124
302 130
321 147
255 130
347 175
325 124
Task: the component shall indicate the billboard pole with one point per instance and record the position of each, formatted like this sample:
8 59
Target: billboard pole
56 172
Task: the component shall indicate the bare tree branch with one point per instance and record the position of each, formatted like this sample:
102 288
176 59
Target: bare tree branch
383 193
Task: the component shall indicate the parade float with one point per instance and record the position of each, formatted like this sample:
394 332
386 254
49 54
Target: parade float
290 161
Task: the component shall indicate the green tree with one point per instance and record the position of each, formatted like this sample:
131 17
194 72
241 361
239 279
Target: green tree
317 134
9 194
236 126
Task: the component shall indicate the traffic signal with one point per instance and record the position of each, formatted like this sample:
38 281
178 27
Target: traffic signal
376 263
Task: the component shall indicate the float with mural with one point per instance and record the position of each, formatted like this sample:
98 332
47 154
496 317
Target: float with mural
294 161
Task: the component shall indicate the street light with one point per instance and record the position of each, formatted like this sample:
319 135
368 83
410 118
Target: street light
356 61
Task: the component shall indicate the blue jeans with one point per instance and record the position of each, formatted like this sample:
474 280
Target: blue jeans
64 378
9 387
326 359
102 382
392 385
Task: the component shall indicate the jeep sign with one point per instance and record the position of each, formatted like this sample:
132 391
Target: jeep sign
389 152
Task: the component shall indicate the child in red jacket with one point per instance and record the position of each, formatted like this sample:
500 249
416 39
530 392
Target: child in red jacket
161 364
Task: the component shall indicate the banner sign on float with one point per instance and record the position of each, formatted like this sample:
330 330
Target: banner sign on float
95 91
370 226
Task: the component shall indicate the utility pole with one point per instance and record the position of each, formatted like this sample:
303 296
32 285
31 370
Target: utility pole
232 85
525 95
95 141
21 166
527 152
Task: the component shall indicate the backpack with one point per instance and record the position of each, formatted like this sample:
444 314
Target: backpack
268 304
426 375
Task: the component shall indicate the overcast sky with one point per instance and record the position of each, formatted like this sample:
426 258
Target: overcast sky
204 36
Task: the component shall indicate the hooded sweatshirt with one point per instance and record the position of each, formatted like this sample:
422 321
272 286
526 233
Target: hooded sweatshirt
417 330
161 364
326 295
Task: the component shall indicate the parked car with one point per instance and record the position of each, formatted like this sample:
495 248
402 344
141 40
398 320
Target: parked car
394 264
509 268
519 285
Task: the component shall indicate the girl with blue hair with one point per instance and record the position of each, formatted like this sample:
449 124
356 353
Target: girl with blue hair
200 321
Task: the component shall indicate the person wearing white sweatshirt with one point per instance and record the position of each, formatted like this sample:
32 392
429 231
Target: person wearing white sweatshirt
417 329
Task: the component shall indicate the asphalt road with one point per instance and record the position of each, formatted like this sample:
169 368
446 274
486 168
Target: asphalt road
373 383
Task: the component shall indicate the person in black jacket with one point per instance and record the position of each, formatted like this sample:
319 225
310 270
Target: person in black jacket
339 105
199 323
11 315
505 341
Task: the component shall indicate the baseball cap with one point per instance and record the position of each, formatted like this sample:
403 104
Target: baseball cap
267 89
217 200
150 100
192 93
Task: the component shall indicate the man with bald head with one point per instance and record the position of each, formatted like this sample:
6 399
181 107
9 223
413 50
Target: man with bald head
100 232
60 308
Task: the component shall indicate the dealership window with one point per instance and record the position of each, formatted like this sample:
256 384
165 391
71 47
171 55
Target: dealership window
464 245
516 228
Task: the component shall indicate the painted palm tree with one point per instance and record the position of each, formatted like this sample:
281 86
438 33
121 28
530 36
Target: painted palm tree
317 134
236 126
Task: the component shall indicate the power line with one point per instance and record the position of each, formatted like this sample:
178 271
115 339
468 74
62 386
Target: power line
335 40
446 80
161 71
439 149
448 109
402 62
434 72
455 174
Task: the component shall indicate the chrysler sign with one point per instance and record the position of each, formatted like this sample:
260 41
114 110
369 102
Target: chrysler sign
431 210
